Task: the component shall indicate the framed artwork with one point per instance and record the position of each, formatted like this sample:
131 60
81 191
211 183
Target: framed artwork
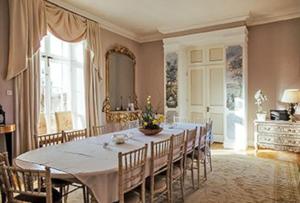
234 77
171 80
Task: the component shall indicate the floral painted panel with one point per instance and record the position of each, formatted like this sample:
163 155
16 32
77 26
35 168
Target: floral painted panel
234 77
171 80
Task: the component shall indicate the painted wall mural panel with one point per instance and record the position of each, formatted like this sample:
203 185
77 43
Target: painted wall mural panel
171 80
234 77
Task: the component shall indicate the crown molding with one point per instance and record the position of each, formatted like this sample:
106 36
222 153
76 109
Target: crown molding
169 30
274 17
249 19
103 23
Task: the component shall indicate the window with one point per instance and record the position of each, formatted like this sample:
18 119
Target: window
62 80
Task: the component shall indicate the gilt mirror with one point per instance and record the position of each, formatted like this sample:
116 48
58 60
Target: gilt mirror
120 79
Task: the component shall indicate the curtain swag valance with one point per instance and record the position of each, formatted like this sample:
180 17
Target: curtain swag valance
29 23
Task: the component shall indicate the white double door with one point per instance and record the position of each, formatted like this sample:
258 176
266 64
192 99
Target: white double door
206 96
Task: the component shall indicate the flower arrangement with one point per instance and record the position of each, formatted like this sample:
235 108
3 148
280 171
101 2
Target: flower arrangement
260 98
151 120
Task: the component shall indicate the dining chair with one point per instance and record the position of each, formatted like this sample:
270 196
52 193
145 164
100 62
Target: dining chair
3 159
29 185
200 154
48 139
132 166
64 121
158 183
189 153
42 125
176 162
98 130
209 141
74 135
132 124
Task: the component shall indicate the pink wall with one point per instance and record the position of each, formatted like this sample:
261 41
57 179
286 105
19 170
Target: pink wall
5 101
152 74
273 63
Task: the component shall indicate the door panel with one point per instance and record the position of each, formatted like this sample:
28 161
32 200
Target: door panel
197 81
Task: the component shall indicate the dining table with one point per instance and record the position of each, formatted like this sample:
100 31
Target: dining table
93 161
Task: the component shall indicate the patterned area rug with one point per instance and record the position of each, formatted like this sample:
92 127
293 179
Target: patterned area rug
239 178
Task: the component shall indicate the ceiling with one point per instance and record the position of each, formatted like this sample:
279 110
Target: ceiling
146 19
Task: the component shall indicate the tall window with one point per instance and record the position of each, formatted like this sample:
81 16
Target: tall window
62 81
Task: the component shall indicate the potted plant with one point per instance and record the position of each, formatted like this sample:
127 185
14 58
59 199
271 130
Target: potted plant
150 120
260 98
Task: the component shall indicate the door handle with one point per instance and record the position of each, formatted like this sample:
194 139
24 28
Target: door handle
207 109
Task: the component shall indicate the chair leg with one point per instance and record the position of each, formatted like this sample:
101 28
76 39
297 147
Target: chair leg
192 174
198 172
205 172
210 164
143 192
65 191
84 194
3 197
182 187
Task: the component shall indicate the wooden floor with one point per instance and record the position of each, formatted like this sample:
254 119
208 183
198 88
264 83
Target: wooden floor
269 154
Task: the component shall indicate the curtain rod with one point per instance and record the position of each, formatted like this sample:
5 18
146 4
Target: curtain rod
55 4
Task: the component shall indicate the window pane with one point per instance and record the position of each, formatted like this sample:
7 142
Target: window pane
55 46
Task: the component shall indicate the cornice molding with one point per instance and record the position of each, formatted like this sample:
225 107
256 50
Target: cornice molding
250 20
274 17
170 30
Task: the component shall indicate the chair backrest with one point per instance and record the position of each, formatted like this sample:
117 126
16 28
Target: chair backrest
4 160
64 121
42 126
202 139
48 139
160 152
133 124
26 182
98 130
208 125
177 147
74 135
180 119
190 141
131 170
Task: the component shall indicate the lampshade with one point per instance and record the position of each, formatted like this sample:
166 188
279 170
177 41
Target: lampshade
291 96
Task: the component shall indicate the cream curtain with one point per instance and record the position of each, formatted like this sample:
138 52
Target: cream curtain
27 28
28 24
27 103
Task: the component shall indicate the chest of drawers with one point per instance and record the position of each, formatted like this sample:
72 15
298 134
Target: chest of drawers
278 135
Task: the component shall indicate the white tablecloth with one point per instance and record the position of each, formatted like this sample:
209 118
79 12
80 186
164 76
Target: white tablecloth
90 162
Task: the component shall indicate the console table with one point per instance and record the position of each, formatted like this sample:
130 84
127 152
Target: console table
6 139
277 135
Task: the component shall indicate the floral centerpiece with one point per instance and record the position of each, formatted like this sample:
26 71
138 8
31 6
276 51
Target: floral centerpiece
260 98
150 120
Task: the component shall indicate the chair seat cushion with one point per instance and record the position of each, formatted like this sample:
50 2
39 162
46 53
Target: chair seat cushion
132 197
56 197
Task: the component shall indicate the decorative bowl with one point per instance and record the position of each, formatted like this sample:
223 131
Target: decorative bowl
150 132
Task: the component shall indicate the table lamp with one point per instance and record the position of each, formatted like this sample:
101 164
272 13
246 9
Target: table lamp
292 97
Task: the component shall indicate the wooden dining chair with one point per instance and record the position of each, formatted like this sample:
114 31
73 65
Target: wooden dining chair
3 159
176 162
209 142
64 121
132 166
48 139
42 125
98 130
28 185
158 183
200 154
189 153
74 135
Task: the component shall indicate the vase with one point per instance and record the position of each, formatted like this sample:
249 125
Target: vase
261 116
150 132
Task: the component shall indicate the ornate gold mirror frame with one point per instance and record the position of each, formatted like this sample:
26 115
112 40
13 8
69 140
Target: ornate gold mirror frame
121 50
